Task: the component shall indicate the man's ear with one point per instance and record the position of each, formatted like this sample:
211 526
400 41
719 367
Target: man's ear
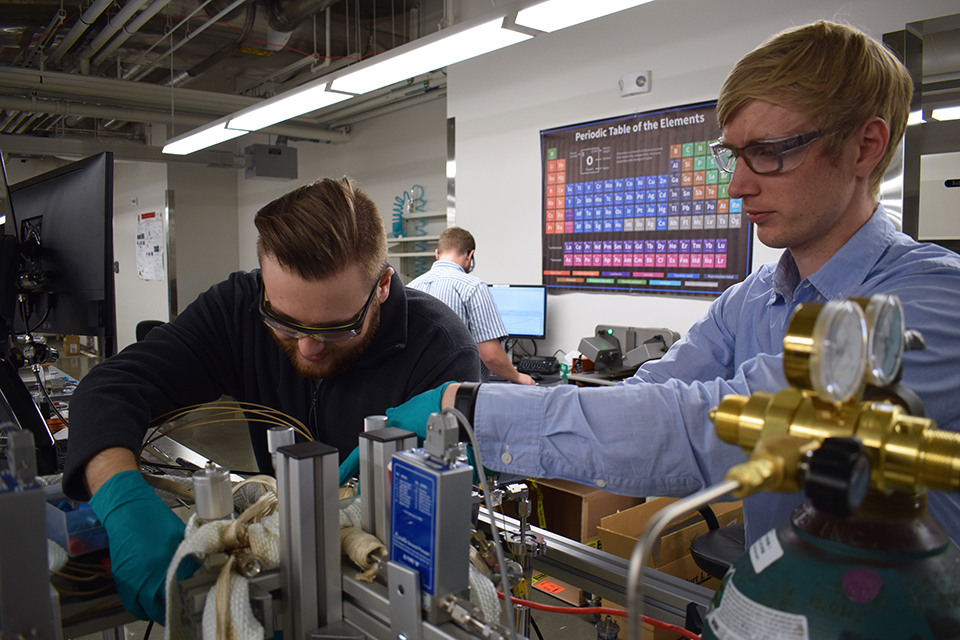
383 291
872 138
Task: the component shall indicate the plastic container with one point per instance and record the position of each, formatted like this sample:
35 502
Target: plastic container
73 524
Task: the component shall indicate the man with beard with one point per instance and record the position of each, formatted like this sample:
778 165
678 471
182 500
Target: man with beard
324 332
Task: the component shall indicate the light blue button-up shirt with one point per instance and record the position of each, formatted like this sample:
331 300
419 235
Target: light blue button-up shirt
651 435
468 296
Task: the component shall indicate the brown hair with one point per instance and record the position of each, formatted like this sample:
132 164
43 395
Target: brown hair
320 229
835 73
456 239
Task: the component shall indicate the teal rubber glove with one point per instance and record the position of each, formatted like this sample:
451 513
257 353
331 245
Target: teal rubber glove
143 534
351 466
412 415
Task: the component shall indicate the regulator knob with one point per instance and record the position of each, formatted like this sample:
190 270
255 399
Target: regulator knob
838 476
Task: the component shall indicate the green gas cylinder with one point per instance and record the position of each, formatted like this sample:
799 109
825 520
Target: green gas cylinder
891 571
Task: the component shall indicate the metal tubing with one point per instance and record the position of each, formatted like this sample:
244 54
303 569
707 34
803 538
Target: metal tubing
651 533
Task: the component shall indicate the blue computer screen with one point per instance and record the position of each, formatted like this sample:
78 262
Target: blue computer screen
523 309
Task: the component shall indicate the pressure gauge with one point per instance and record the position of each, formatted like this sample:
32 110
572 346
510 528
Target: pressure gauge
838 364
825 349
885 339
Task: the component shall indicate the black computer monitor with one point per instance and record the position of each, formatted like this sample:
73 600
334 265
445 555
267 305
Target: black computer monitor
523 309
64 225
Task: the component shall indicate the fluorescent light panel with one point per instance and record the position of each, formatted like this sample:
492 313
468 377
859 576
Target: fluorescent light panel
916 117
202 139
554 15
285 107
946 113
455 48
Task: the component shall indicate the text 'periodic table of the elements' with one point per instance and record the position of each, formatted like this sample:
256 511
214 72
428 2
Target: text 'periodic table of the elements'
637 203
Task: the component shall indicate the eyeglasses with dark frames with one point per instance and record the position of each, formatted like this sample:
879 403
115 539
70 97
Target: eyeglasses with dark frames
765 156
334 333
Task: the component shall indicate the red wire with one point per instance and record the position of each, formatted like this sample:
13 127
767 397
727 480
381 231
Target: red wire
601 611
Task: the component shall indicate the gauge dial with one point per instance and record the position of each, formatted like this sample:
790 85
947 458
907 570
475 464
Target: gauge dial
838 359
885 339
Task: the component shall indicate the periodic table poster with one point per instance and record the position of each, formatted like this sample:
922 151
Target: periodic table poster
637 204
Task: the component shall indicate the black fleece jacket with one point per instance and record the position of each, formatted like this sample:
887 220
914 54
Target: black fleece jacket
219 346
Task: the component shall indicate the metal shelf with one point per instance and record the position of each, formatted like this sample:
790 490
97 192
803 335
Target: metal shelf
424 214
412 239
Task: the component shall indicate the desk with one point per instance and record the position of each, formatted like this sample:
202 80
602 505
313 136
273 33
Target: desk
595 379
546 379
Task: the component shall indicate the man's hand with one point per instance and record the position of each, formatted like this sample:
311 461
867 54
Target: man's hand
143 534
523 378
412 415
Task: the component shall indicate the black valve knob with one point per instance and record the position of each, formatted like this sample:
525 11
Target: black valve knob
838 476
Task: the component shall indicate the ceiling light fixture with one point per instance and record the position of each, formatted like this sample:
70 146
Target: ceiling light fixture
946 113
197 140
449 47
554 15
285 106
916 117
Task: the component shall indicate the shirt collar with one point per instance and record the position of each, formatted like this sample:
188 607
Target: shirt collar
846 270
446 264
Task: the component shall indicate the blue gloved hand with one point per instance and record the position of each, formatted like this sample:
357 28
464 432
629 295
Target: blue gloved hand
351 466
412 415
143 534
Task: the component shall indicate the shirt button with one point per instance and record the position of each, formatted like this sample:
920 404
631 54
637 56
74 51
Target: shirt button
506 458
600 483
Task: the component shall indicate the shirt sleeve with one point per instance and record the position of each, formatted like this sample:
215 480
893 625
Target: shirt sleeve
485 322
635 439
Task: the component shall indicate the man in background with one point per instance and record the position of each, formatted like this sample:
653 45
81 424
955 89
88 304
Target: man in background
324 332
449 280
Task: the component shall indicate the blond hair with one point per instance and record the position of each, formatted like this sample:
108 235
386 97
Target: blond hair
322 228
832 72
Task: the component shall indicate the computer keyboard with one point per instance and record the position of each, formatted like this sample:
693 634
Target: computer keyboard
538 364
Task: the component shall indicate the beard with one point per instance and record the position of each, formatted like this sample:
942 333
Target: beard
339 358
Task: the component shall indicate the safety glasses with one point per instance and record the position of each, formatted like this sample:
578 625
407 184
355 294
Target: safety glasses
337 333
768 156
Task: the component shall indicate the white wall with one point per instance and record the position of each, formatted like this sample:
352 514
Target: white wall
138 187
502 100
205 217
386 156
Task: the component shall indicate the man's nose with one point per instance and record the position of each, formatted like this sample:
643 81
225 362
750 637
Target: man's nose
310 347
743 182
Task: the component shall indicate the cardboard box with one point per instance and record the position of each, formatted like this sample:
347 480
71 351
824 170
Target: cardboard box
671 554
647 631
572 510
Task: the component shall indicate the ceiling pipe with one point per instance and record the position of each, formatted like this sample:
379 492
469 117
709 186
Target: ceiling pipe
129 30
190 36
74 109
135 67
87 18
113 25
286 15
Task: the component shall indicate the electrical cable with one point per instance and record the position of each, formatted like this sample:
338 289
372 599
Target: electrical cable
53 405
485 489
609 611
536 629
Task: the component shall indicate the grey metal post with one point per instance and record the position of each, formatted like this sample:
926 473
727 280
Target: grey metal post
376 449
308 494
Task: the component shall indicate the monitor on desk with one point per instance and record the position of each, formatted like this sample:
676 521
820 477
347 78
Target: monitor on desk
523 309
64 228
